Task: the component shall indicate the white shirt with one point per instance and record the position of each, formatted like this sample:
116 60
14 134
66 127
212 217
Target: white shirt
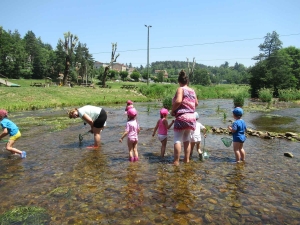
91 111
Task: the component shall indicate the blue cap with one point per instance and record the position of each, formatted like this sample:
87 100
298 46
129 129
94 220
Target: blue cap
238 111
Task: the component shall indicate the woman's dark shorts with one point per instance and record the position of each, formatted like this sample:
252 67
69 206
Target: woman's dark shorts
100 121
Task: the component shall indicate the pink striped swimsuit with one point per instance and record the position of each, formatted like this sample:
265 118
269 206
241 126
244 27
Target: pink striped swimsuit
185 117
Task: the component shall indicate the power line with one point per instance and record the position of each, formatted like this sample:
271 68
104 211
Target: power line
208 43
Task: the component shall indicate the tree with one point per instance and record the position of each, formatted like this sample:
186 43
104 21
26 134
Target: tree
112 60
201 76
270 45
135 75
160 76
68 45
123 75
293 54
191 69
113 74
85 59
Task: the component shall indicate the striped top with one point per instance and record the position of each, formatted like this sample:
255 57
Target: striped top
185 117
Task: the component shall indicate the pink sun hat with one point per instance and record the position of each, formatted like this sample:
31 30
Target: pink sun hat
164 112
132 112
3 113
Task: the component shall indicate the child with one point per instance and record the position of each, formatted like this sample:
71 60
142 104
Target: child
132 130
10 128
163 127
128 106
238 129
196 137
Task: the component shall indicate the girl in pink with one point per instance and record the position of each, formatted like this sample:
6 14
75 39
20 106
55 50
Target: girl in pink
131 131
163 127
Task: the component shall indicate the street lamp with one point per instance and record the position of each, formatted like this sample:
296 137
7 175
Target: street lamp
148 55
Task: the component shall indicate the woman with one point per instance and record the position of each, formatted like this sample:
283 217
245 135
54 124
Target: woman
183 107
94 116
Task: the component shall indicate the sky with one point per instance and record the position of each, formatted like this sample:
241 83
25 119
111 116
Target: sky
211 31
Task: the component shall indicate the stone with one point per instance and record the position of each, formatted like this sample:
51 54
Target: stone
288 154
290 134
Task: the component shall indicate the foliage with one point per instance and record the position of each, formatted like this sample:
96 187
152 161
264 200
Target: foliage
25 215
68 44
160 76
201 76
270 45
239 100
289 95
278 70
158 91
135 75
265 94
123 74
167 103
32 98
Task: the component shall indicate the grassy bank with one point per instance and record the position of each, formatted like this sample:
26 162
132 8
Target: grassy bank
27 97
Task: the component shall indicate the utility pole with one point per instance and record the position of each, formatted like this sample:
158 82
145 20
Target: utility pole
148 55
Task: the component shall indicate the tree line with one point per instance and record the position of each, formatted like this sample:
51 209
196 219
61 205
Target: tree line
276 68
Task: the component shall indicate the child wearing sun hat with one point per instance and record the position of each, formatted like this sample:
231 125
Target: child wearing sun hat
196 137
238 130
11 129
163 127
131 131
129 105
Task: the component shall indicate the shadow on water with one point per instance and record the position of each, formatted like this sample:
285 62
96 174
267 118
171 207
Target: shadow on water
76 185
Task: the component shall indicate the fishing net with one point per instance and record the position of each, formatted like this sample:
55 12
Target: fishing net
80 137
226 141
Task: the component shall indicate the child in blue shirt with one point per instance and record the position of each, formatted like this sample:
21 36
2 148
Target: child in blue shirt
238 129
10 128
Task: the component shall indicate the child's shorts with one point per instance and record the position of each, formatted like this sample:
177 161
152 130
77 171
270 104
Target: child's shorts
132 139
162 137
15 137
195 138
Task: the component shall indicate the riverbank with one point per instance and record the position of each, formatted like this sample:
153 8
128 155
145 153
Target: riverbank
28 97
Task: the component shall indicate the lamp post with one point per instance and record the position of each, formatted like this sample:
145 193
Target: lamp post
148 55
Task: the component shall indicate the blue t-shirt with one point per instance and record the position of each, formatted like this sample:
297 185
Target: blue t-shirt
240 128
10 126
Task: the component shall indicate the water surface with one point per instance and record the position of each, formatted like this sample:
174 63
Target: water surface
80 186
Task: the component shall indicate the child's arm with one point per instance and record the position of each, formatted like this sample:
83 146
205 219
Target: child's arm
231 129
139 129
155 129
4 133
170 124
124 134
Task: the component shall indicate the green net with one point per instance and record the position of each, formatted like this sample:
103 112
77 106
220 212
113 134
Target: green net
226 141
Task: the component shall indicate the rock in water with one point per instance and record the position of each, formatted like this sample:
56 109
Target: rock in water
288 154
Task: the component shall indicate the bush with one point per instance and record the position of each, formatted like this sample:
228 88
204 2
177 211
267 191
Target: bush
288 95
238 100
265 94
167 103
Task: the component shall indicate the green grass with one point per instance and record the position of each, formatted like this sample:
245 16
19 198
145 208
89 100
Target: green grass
27 97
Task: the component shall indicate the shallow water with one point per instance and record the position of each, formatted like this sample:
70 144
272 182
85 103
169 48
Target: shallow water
80 186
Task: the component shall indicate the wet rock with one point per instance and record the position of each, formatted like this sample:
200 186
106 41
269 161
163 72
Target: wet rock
208 217
182 208
288 154
213 201
290 134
